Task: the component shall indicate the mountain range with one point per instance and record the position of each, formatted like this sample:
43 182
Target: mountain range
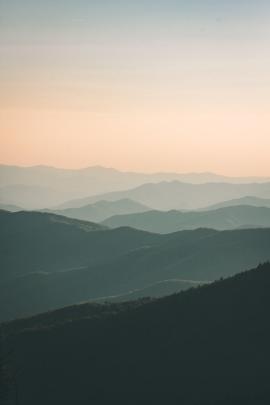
46 187
178 195
49 261
173 221
101 210
248 200
45 242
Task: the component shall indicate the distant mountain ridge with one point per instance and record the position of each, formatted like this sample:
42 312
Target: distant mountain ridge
172 221
101 210
178 195
247 200
57 186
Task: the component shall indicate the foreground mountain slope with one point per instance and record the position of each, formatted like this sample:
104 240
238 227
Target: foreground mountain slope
102 210
214 338
178 195
42 242
202 255
172 221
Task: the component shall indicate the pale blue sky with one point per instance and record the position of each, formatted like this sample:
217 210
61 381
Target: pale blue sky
38 21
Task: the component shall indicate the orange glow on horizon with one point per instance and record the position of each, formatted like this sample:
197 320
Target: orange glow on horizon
235 144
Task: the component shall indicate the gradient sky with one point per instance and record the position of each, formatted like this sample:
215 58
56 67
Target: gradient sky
146 85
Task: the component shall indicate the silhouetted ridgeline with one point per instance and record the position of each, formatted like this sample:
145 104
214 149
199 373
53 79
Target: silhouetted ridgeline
172 221
177 195
247 200
208 345
44 187
102 210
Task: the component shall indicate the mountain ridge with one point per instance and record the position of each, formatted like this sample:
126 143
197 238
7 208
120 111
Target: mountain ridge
69 184
247 200
102 209
46 266
231 217
168 195
167 345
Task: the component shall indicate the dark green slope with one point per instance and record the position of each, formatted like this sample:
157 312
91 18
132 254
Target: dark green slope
202 255
207 346
172 221
42 242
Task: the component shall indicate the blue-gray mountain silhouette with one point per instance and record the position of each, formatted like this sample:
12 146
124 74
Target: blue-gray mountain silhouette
172 221
48 261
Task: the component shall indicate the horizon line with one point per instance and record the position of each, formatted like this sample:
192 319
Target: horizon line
200 173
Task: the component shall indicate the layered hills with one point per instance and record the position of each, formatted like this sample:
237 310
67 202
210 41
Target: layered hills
179 195
101 210
41 187
49 261
231 217
248 200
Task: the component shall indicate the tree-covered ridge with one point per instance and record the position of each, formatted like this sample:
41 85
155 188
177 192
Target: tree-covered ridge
242 216
48 261
209 345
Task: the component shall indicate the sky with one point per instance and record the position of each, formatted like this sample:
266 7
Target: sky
160 85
